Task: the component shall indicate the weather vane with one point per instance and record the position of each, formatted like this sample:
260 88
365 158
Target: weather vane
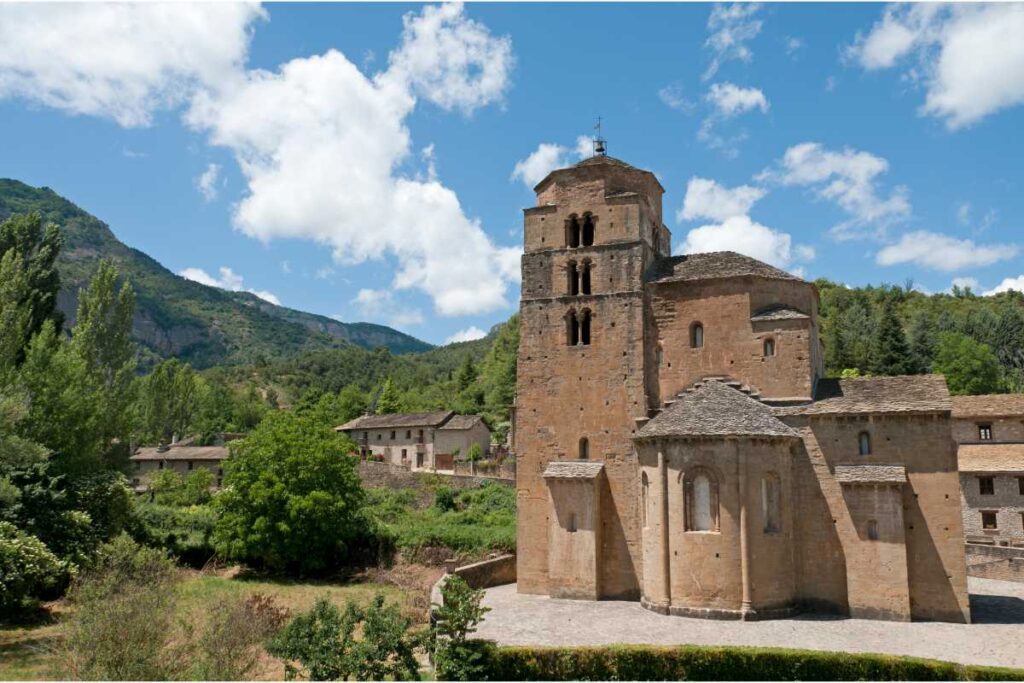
600 144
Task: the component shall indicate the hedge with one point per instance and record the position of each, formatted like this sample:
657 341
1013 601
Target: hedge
700 663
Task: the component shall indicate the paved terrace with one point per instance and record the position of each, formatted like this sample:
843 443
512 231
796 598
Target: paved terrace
995 638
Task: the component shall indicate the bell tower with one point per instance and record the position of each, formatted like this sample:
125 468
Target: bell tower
582 379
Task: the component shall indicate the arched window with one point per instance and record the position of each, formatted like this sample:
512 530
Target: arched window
864 443
588 230
697 335
771 505
572 232
585 328
584 449
701 498
574 279
872 529
769 347
585 278
572 329
644 496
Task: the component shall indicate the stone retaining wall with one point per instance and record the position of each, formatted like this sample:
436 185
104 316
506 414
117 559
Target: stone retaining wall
995 562
494 571
382 474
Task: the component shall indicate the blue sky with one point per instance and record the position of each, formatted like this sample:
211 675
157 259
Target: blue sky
370 162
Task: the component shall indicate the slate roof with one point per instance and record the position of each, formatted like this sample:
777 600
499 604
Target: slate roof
182 453
988 405
712 265
871 474
573 469
900 394
991 457
460 422
433 419
715 409
778 313
605 160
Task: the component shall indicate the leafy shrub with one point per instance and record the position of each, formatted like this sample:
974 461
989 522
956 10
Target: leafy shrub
699 663
323 642
28 570
444 499
228 645
456 658
185 532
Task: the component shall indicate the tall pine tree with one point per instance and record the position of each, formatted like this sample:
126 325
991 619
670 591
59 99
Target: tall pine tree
890 354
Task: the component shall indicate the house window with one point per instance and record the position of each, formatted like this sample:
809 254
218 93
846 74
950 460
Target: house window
986 486
160 465
644 493
701 498
770 503
408 433
584 451
190 465
988 520
404 455
697 336
588 230
379 436
392 433
864 443
769 347
985 432
872 530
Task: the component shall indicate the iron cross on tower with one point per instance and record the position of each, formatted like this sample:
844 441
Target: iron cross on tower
600 144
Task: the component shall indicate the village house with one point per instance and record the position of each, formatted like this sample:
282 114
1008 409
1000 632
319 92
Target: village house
418 441
678 444
181 457
990 433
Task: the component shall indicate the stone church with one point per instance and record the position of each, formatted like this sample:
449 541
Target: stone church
677 442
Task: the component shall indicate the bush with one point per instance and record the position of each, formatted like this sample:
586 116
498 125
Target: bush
323 642
456 658
698 663
230 641
28 571
185 532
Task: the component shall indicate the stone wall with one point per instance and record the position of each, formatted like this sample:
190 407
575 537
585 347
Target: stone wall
965 430
384 475
1006 501
995 562
494 571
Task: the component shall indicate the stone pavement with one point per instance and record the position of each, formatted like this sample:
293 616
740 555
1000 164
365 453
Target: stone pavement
995 638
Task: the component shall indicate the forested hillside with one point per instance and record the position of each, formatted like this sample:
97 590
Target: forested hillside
179 318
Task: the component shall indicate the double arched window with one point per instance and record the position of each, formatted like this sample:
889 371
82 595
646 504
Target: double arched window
696 336
700 493
579 278
579 232
578 327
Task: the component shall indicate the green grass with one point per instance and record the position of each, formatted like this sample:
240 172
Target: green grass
25 652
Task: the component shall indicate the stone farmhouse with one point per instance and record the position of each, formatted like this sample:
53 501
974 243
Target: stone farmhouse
990 433
180 457
418 441
678 444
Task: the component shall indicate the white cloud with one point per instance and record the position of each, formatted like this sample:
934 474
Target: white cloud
731 27
705 198
206 183
743 235
229 280
1011 283
970 57
793 45
380 305
471 333
942 252
672 97
731 100
965 283
320 159
534 168
584 147
850 179
121 61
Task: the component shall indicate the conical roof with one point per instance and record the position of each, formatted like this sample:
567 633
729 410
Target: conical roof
714 409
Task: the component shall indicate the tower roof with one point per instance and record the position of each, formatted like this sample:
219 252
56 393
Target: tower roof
713 265
595 164
715 409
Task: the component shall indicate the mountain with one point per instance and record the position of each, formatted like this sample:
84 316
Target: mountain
203 325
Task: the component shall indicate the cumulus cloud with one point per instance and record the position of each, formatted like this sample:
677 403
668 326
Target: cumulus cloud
380 305
731 100
705 198
229 280
320 160
965 283
549 156
743 235
969 57
471 333
730 28
122 61
672 97
206 183
850 179
942 252
1011 283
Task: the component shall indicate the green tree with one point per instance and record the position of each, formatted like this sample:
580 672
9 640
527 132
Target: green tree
168 401
922 342
37 248
351 403
15 311
28 571
474 453
389 400
890 354
292 500
498 374
249 410
970 367
196 489
466 375
456 657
